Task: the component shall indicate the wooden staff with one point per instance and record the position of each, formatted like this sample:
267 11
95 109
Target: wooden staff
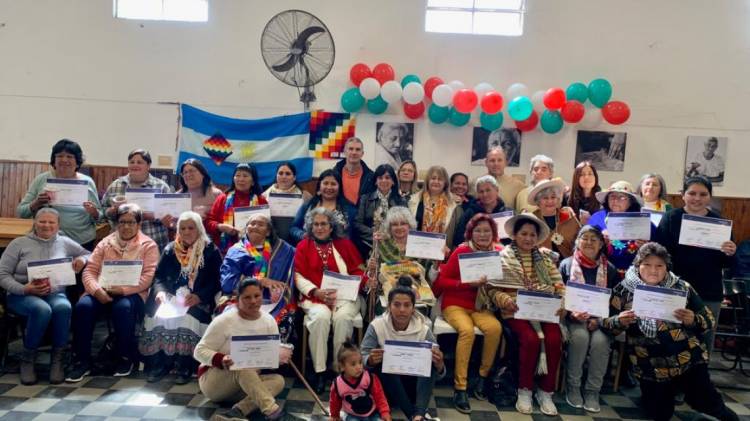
309 389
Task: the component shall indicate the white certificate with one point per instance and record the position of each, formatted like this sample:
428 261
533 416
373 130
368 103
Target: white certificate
535 305
171 204
346 286
144 198
243 214
425 245
500 219
629 225
585 298
705 232
655 216
652 302
67 192
284 204
120 273
412 358
58 271
171 308
254 351
475 265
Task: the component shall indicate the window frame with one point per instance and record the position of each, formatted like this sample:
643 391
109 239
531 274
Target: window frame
520 11
162 17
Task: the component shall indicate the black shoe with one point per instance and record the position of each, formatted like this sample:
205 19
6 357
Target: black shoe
478 390
79 372
124 368
234 414
285 416
461 402
320 383
157 374
183 377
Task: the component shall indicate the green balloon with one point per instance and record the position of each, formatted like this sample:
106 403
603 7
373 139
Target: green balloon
459 119
551 121
377 105
520 108
600 91
438 114
352 100
577 91
409 79
491 122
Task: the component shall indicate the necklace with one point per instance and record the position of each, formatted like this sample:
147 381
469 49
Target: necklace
324 253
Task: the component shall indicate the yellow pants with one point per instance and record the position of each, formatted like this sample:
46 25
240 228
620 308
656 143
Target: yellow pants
463 321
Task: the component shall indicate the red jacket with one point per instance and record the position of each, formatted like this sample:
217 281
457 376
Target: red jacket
307 263
216 214
448 283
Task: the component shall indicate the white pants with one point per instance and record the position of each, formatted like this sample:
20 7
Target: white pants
319 320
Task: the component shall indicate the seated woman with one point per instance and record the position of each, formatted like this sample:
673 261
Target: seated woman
187 275
458 305
40 301
547 197
261 255
407 179
433 205
653 190
488 201
194 179
526 267
330 195
401 323
286 183
373 206
325 249
587 265
127 302
668 357
248 389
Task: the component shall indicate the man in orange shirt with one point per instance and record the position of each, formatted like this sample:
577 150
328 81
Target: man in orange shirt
355 174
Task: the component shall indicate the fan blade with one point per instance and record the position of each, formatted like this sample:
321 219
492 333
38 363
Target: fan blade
283 67
304 35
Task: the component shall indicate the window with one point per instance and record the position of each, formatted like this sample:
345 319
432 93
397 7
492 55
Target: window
177 10
483 17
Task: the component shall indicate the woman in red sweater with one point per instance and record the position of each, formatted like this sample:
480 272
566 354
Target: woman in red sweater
458 306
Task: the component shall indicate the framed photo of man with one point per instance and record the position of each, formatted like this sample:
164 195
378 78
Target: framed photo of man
706 156
507 138
394 143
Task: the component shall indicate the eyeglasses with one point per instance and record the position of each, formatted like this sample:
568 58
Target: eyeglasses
127 223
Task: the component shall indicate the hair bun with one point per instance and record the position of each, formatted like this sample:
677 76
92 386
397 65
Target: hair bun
405 281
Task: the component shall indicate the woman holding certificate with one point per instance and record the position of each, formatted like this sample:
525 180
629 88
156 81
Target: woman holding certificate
668 351
286 184
330 195
244 191
547 197
373 206
37 293
194 179
401 322
186 281
588 265
71 193
325 250
119 274
458 305
488 201
701 266
529 270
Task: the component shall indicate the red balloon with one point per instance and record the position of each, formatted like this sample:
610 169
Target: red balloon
554 98
572 111
383 72
359 72
492 102
529 124
414 111
430 85
465 100
616 112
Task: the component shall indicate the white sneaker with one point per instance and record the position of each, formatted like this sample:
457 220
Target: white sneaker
524 404
545 403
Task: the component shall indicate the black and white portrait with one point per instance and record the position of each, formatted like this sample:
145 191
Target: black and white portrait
394 143
605 150
506 138
705 156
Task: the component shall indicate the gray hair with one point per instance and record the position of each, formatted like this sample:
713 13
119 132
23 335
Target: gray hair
548 190
662 185
544 159
44 210
397 214
351 140
197 220
486 179
129 208
337 230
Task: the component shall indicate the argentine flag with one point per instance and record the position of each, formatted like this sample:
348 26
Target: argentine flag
220 143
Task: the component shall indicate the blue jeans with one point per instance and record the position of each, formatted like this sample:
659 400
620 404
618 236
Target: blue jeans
126 311
38 312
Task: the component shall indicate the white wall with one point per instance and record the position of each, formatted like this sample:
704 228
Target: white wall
70 70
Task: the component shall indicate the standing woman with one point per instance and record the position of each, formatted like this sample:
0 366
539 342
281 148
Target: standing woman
547 197
374 206
194 179
459 183
329 194
286 183
583 191
188 272
77 222
701 267
38 300
245 191
138 176
433 206
407 179
653 191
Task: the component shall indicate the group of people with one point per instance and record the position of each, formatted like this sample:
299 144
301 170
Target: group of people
267 277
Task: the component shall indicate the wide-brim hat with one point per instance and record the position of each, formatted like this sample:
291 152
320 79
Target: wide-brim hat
556 183
622 187
543 228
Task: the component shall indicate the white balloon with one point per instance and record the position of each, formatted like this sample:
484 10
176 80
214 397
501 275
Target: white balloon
391 91
456 85
369 88
538 100
592 118
413 93
516 90
483 88
442 95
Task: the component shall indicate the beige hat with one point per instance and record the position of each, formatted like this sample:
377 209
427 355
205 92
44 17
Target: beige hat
543 228
618 187
556 183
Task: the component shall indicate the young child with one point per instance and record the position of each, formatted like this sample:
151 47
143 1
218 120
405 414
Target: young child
358 391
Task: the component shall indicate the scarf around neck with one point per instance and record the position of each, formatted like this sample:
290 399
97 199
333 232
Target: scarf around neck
581 261
649 327
190 258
